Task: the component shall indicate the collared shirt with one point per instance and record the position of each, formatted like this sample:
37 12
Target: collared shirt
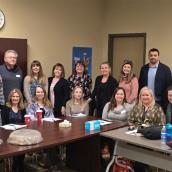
151 78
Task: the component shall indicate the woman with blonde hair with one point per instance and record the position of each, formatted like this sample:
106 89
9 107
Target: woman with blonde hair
42 102
36 78
77 104
146 112
129 81
13 112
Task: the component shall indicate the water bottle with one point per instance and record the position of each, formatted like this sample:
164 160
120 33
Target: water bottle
163 135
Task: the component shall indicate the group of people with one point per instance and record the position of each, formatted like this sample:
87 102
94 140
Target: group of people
111 99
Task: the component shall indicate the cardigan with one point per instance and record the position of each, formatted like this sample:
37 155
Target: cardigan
5 115
61 94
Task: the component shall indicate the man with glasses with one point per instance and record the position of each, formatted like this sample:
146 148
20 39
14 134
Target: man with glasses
11 73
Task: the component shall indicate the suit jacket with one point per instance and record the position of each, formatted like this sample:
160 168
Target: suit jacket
61 94
163 79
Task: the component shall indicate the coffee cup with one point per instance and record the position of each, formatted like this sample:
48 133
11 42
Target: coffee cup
39 114
27 119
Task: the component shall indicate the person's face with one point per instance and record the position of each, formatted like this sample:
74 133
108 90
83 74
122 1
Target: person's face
119 96
58 71
126 69
15 99
170 96
10 59
146 98
105 69
39 93
78 93
153 57
79 69
35 69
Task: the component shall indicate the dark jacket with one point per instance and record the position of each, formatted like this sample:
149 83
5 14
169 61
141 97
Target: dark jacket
61 94
5 115
101 98
163 79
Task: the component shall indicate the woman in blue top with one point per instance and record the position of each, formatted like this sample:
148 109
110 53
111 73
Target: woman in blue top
36 78
40 102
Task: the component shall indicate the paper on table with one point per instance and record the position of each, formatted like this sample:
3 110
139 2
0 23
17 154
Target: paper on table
13 126
102 122
78 115
133 133
51 119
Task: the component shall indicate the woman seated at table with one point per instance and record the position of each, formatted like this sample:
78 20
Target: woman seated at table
13 112
117 108
146 112
40 102
77 104
169 107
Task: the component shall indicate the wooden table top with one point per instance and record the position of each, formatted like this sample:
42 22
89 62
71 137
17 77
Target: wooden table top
53 135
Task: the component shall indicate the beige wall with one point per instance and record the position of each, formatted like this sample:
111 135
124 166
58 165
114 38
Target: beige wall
138 16
53 27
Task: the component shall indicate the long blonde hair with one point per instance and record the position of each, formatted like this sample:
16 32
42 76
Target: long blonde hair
9 101
140 103
45 101
41 76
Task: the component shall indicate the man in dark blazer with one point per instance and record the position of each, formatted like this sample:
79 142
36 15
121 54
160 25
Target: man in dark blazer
156 76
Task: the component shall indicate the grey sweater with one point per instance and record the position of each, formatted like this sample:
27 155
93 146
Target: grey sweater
11 79
121 114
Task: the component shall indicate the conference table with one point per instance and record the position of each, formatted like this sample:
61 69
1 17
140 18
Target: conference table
83 148
138 148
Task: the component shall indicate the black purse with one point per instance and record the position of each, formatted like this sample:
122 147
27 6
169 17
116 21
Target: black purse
153 132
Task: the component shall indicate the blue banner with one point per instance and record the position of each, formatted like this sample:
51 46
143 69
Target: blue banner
85 55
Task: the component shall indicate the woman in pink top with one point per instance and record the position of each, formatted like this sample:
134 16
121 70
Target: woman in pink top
129 81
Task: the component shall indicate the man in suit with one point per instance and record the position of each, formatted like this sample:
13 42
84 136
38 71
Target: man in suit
157 76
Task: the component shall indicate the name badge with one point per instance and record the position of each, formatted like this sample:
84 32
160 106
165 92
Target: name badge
123 111
17 76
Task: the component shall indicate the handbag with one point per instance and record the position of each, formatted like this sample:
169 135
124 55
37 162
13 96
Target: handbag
152 132
122 165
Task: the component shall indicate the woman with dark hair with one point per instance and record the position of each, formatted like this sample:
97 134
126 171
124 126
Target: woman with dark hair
129 81
80 78
169 107
58 89
104 86
36 78
117 108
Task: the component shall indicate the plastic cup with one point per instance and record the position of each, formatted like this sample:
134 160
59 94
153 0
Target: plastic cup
27 119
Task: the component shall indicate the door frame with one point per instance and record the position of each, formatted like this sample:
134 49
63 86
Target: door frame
111 38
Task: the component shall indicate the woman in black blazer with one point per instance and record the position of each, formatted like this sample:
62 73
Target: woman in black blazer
104 87
58 90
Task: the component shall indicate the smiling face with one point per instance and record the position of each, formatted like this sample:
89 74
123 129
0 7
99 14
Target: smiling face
39 93
15 98
153 57
126 69
119 96
78 93
35 69
105 69
10 59
146 97
170 96
58 71
79 69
